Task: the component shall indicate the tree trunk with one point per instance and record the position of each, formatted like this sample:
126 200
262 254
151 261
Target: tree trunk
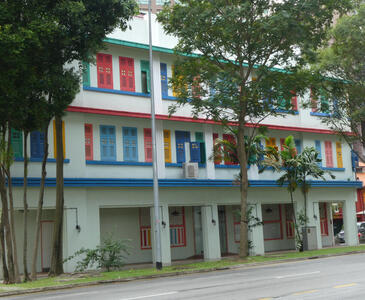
25 204
242 157
6 226
3 250
40 205
57 259
11 206
297 233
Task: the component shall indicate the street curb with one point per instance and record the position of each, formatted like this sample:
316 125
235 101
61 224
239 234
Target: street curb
171 274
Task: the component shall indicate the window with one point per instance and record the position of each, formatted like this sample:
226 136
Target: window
319 102
105 70
107 143
126 70
164 83
145 76
282 142
17 142
86 74
36 144
230 157
271 216
147 144
291 104
339 155
167 145
271 142
89 142
298 146
217 158
55 140
195 152
199 137
177 226
290 233
323 218
319 150
145 228
328 152
181 137
130 148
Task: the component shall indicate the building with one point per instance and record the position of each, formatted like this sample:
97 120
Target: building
108 168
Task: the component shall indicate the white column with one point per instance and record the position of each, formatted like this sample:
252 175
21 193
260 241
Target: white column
208 138
349 222
157 84
256 234
165 235
210 229
314 219
160 149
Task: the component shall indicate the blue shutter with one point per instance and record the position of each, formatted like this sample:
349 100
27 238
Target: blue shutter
298 145
164 86
130 148
319 150
36 144
107 143
195 152
354 160
181 137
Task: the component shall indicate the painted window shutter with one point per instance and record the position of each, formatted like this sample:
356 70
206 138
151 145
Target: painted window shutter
319 150
203 157
199 137
86 73
89 142
339 155
17 142
147 144
130 147
107 143
105 70
324 105
229 158
164 84
181 138
167 145
36 144
55 141
328 152
145 71
298 146
271 142
282 142
195 152
218 159
126 71
294 102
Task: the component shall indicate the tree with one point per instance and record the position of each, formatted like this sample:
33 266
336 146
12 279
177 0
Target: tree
230 51
343 59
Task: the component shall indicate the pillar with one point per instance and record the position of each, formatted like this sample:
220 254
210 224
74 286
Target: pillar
210 229
314 219
208 138
164 233
349 222
256 234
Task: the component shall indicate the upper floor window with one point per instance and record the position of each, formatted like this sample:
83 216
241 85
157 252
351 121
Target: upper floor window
126 71
107 143
104 64
17 143
36 144
130 145
145 77
319 102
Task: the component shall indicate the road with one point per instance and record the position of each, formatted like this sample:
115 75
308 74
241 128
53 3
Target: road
340 277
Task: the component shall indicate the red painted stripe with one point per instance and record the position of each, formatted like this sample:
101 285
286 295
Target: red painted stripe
193 120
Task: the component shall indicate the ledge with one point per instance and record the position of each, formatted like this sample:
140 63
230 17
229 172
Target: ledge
179 165
333 169
291 112
49 160
171 98
228 166
119 92
119 163
320 114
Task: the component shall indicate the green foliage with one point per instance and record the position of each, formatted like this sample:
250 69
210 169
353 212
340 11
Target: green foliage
109 255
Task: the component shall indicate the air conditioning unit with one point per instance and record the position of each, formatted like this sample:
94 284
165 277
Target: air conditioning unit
190 170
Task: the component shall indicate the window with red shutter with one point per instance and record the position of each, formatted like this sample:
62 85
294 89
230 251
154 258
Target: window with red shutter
229 156
282 142
88 141
126 69
148 144
218 158
294 102
328 153
105 70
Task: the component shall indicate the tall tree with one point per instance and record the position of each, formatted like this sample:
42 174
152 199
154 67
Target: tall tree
231 52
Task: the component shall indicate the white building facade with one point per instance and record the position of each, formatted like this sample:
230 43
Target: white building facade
108 168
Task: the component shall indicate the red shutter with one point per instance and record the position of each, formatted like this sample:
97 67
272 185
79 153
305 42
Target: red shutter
147 144
294 102
105 70
282 142
229 157
218 159
88 141
126 69
328 153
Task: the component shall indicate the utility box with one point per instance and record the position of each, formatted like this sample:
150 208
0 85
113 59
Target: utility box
310 238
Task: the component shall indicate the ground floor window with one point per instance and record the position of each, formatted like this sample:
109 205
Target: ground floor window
272 219
323 218
236 223
145 228
289 223
177 226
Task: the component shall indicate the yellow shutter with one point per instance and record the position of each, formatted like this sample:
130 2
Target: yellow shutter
271 142
339 155
55 141
167 145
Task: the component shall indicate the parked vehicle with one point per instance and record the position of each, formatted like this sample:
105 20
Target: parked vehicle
340 237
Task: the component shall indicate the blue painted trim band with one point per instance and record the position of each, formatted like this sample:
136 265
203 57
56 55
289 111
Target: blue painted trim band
120 163
49 160
131 182
319 114
169 98
179 165
95 89
290 112
228 166
333 169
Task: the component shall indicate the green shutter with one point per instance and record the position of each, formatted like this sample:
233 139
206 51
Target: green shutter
145 67
325 108
17 142
86 74
199 137
203 158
